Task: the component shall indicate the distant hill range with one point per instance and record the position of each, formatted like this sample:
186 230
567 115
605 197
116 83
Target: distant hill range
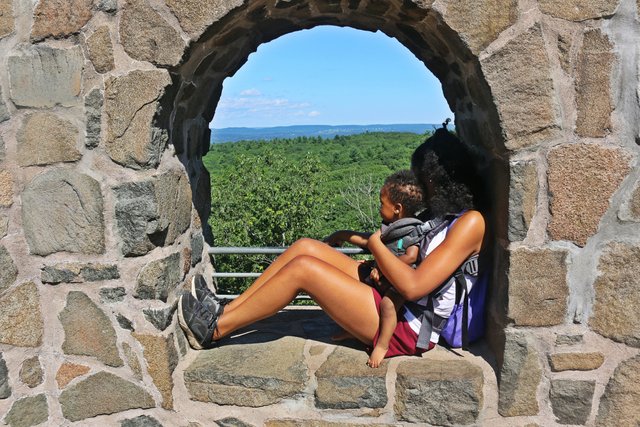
324 131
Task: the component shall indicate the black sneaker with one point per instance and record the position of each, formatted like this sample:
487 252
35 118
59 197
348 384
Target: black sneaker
202 293
197 321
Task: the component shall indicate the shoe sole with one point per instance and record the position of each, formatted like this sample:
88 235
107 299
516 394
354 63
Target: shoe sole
193 287
193 341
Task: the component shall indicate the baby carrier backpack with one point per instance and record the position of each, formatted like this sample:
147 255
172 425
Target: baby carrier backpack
466 322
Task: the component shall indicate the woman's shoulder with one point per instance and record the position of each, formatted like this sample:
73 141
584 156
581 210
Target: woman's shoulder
469 227
471 217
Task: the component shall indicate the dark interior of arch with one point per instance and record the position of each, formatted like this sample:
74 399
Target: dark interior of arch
189 106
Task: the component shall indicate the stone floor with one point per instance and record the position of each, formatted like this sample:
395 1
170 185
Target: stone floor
286 371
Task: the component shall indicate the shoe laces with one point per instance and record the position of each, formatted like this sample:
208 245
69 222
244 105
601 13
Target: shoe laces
203 313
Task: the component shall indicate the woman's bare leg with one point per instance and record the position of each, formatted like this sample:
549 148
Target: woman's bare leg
344 298
301 247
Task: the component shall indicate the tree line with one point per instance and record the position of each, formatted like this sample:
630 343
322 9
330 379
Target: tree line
271 193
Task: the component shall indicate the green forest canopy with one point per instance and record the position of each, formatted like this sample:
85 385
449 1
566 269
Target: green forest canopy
271 193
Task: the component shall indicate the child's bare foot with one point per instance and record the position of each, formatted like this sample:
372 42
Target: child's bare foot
341 336
377 356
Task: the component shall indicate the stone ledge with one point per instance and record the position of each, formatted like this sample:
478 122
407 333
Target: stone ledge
260 368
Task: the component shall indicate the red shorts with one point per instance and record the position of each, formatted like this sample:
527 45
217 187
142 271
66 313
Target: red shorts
404 339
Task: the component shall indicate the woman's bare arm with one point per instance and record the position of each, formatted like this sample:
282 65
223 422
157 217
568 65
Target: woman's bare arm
463 240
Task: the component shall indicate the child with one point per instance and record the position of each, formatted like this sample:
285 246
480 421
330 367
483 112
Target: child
400 197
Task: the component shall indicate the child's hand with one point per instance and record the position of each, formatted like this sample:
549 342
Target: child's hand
375 275
334 239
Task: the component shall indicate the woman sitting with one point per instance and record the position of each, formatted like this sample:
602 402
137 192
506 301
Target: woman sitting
446 172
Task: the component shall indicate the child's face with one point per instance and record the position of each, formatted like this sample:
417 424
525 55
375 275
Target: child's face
388 211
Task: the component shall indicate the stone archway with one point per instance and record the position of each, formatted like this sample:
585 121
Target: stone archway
452 56
104 112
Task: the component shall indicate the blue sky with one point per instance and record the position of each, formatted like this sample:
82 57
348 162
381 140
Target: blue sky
333 76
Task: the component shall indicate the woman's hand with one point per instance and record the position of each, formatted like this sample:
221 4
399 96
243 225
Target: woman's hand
374 239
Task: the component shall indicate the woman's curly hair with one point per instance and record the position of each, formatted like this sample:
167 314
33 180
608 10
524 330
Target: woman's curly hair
403 187
447 173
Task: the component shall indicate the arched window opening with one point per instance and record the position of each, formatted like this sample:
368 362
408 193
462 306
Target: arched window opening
305 133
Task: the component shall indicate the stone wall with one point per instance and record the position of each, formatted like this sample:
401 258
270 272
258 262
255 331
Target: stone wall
104 112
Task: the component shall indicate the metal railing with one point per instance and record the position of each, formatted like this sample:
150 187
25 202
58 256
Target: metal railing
265 250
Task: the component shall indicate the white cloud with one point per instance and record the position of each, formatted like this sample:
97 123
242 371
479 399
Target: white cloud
250 92
261 108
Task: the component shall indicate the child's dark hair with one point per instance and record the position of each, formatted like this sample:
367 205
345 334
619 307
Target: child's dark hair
446 165
403 187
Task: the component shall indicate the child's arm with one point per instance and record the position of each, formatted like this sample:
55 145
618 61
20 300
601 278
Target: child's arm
339 237
410 256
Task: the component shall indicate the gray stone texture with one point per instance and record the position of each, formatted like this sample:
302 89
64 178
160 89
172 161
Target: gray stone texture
578 10
575 361
3 152
110 295
132 361
480 22
6 188
8 269
93 113
31 372
160 318
62 211
634 203
6 18
60 18
196 15
88 330
439 392
538 289
617 288
619 404
569 339
130 104
21 321
593 85
523 196
101 50
173 195
5 387
523 94
4 111
197 246
28 411
107 6
239 375
232 422
68 372
124 322
520 376
136 217
147 36
4 228
78 273
162 358
582 178
141 421
345 381
158 278
571 400
45 138
102 393
42 76
564 50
